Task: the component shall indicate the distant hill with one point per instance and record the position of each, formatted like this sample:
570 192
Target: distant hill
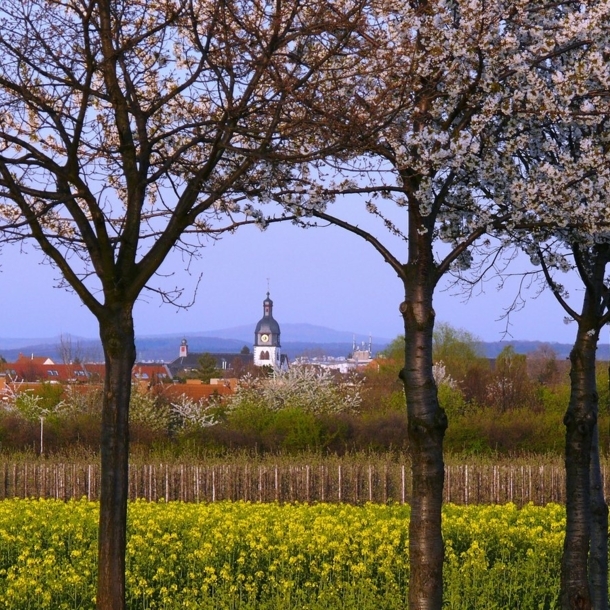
296 340
291 333
491 349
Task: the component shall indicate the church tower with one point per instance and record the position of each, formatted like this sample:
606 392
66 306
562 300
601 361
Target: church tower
267 349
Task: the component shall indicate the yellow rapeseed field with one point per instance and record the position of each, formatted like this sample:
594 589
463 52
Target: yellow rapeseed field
270 556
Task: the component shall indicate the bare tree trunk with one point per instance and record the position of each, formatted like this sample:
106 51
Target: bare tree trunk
426 429
580 420
598 555
117 335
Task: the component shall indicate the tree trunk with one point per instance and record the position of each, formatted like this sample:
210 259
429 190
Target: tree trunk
598 556
426 428
118 341
580 422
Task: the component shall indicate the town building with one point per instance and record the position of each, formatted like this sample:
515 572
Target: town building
362 354
266 350
188 362
267 347
42 369
360 358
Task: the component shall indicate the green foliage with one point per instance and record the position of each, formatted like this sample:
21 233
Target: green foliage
510 363
293 430
521 430
457 349
396 349
515 411
51 395
207 367
603 387
34 404
395 402
290 429
464 368
28 406
250 417
452 400
554 399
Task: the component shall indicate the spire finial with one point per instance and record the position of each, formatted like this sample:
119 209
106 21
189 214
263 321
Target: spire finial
267 287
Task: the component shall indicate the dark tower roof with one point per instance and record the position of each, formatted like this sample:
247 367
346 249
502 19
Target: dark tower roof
267 324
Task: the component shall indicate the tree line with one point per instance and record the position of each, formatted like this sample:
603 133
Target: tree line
508 406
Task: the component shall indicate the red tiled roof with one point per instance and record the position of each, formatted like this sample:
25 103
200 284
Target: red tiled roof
34 369
29 370
33 359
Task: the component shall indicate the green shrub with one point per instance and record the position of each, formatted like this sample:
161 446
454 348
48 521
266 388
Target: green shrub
394 402
292 430
554 399
516 431
452 400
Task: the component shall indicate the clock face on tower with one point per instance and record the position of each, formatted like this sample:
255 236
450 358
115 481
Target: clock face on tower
264 338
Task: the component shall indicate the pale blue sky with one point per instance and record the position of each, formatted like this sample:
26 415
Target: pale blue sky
320 276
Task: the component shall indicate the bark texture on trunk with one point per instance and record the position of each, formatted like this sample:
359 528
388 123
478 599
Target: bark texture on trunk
598 553
580 422
426 428
117 334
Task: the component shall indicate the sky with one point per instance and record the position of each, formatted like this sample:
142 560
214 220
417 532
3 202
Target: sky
322 276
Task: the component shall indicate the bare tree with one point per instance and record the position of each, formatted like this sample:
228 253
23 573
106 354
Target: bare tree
457 74
542 365
129 127
69 351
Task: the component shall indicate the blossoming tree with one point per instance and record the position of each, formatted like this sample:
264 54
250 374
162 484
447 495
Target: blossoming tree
570 171
126 128
584 567
457 76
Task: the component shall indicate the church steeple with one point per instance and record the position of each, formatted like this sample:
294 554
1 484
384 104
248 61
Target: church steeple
268 307
267 338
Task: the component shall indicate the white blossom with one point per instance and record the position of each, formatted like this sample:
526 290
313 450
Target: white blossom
197 413
310 389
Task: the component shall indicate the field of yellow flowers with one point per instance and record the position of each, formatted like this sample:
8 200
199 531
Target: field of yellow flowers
269 556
